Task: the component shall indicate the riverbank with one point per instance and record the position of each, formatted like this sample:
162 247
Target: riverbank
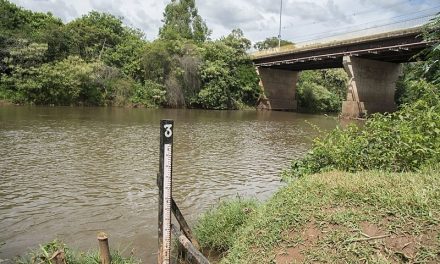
5 103
345 217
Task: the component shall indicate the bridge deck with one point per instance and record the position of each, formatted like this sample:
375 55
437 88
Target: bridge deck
396 46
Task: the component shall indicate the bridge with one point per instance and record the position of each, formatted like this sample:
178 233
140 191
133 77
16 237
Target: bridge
371 62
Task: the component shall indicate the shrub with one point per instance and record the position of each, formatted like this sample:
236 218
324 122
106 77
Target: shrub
406 140
316 98
54 83
322 90
151 94
217 227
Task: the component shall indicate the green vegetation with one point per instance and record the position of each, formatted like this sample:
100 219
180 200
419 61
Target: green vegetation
321 90
97 60
46 251
272 42
229 76
406 140
217 228
340 217
182 21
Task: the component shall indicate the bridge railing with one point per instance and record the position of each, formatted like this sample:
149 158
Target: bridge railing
373 30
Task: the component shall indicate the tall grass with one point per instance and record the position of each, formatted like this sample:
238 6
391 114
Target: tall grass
217 227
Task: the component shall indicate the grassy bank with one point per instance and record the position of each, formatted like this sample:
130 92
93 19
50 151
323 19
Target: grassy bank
339 217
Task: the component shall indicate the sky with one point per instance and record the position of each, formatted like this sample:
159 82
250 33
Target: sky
301 20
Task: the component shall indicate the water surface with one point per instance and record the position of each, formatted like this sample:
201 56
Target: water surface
69 173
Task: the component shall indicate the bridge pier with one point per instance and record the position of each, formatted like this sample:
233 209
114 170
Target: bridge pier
279 87
371 86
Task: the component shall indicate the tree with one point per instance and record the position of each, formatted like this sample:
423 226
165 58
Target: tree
127 55
182 21
156 61
272 42
229 79
93 34
19 23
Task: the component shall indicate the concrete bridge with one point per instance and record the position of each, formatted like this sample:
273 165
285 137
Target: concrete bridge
372 64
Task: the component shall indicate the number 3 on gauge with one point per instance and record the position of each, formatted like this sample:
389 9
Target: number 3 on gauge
168 131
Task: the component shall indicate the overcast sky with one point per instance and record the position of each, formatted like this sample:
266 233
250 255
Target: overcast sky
301 19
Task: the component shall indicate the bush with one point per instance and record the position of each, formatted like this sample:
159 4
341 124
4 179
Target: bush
406 140
68 82
151 94
321 90
58 83
316 98
217 227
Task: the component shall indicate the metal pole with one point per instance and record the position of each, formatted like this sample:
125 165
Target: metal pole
279 32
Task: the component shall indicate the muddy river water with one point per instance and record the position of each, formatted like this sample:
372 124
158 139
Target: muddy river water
69 173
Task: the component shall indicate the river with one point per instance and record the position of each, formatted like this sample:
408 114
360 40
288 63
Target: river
69 172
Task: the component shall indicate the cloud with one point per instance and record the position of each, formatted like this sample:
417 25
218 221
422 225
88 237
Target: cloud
257 18
229 13
133 13
59 8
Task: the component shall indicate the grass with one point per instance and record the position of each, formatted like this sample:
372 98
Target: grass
44 253
216 228
338 217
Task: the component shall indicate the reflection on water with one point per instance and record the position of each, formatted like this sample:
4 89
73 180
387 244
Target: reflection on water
71 172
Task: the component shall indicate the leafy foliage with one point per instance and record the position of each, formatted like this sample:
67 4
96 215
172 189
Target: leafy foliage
17 22
272 42
403 141
151 94
406 140
156 61
93 33
182 21
321 90
228 77
97 60
69 81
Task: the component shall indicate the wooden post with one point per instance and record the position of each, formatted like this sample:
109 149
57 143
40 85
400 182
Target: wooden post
195 254
104 250
165 193
183 224
180 219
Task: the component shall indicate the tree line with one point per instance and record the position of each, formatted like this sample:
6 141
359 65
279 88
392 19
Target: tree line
97 60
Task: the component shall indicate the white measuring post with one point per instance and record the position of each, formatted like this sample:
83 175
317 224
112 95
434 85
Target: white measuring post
166 171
